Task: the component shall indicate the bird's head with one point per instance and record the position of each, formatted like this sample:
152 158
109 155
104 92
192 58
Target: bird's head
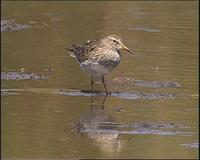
116 43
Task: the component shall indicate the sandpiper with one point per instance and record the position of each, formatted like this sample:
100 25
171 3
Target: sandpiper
99 56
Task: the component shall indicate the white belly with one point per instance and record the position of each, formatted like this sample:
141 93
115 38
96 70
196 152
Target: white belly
95 68
103 65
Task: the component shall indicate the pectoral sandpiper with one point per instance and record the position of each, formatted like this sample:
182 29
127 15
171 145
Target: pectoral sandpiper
99 56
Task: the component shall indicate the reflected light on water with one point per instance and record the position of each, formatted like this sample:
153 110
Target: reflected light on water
101 128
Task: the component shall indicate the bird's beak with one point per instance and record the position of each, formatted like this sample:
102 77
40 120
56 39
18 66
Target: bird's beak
127 49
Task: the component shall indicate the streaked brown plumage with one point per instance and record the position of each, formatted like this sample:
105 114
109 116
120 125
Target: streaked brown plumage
99 56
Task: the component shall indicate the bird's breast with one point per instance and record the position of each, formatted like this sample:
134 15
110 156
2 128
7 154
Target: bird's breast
110 59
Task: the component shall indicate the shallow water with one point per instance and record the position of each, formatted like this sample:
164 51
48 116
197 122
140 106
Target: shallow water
47 109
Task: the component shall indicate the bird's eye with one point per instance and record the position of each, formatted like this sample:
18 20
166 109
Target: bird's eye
114 41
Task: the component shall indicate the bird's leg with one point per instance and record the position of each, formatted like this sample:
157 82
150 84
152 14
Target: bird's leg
91 102
104 85
92 83
104 100
91 99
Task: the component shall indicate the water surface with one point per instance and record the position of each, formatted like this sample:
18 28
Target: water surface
47 109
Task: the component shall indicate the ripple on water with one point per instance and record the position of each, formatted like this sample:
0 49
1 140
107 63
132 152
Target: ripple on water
21 76
143 83
124 95
191 145
145 29
69 92
11 25
104 128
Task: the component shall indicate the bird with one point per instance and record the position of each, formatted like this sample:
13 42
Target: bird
99 56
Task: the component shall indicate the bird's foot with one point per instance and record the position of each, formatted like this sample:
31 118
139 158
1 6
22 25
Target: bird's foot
108 93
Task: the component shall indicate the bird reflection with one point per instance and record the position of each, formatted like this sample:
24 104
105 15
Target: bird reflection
102 104
101 128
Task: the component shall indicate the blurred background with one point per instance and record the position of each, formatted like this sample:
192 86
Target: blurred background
153 111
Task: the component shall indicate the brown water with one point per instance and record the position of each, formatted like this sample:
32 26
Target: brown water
47 110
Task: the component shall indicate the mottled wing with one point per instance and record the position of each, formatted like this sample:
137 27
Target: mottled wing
90 45
77 52
91 48
83 53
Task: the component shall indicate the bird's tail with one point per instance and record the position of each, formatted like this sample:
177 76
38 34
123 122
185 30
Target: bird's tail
75 50
71 52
